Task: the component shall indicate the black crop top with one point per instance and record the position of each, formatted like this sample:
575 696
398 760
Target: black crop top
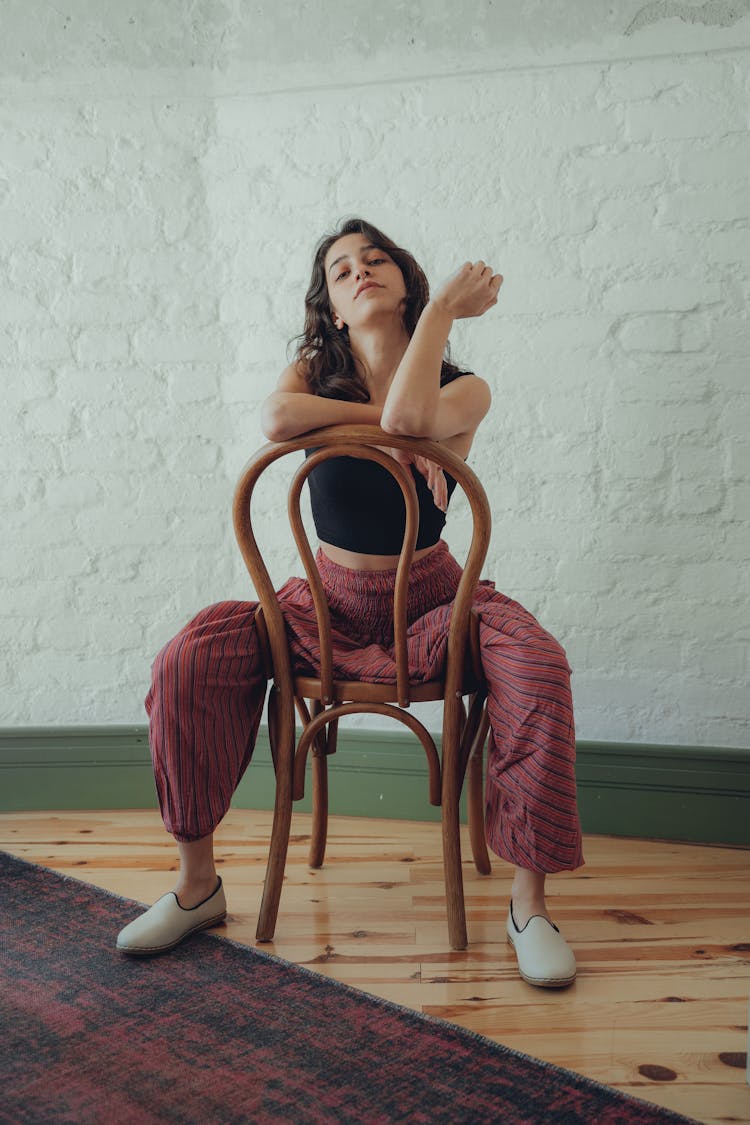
357 505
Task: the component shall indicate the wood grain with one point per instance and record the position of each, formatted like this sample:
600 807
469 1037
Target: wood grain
661 933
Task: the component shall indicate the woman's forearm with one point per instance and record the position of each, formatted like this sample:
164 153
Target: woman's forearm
412 401
285 414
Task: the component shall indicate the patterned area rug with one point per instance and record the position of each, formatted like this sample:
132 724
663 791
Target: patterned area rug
217 1032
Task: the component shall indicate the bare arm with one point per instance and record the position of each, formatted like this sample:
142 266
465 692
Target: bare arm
416 404
293 409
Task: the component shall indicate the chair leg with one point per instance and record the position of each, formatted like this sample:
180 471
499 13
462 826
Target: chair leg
319 810
475 808
451 792
282 823
269 906
454 882
324 744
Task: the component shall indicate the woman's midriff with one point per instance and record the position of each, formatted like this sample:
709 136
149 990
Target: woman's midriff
355 561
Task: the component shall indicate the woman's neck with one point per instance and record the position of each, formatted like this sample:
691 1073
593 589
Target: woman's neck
378 354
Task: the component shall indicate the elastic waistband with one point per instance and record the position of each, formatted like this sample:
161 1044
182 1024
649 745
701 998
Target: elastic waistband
376 583
361 601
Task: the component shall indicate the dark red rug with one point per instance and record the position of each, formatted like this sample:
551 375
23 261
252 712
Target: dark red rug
217 1032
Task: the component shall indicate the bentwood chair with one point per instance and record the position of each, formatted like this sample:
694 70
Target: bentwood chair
321 700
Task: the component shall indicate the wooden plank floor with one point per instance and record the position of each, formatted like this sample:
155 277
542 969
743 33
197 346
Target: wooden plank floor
661 932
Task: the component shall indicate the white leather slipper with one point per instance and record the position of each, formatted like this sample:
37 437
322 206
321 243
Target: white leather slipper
166 924
544 956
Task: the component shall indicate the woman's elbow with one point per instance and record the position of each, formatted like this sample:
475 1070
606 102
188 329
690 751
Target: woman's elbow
274 421
405 423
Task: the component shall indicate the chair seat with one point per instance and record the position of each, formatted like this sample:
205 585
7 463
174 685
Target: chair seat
351 691
355 691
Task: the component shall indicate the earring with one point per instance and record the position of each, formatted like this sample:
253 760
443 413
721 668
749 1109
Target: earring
339 323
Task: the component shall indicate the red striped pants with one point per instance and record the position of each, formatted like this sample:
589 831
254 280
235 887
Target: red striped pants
208 688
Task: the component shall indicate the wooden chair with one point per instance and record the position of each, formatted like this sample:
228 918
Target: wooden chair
464 730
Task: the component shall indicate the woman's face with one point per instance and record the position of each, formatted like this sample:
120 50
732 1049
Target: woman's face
364 283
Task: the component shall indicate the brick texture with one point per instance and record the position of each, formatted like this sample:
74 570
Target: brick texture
157 215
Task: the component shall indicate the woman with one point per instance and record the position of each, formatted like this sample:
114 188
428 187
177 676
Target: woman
372 352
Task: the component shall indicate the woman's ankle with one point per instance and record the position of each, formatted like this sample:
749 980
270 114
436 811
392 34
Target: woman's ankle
197 880
527 896
191 892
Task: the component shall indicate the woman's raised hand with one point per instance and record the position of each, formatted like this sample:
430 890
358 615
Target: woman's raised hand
470 291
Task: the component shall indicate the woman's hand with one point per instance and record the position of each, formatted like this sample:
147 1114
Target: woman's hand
431 472
436 481
470 291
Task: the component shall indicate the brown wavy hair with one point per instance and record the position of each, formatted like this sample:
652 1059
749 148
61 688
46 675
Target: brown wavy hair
323 351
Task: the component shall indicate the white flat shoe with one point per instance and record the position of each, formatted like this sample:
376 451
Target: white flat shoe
544 956
166 924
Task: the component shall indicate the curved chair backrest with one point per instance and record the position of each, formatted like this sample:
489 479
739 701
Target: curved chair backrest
362 442
463 735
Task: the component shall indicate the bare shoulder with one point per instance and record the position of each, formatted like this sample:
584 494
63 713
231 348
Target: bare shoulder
467 382
470 391
293 379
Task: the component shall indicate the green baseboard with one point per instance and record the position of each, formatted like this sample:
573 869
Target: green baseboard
688 793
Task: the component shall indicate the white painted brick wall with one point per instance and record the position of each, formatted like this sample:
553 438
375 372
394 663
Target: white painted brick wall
158 208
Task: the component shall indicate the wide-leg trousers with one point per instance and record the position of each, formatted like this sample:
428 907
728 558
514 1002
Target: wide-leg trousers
209 684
